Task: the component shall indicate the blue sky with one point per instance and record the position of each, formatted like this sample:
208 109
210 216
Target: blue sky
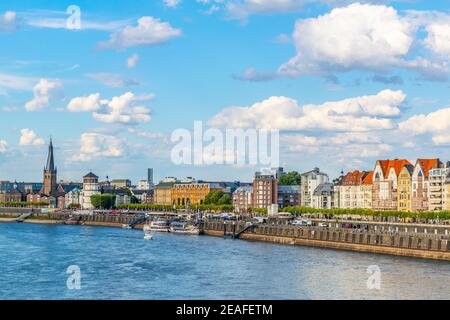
196 59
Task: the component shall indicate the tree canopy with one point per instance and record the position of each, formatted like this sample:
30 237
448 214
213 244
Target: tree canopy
290 179
103 201
217 197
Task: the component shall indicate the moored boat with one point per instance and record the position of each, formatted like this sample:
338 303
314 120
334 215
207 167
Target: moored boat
184 228
157 226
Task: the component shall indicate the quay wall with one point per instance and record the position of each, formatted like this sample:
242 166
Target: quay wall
419 245
429 246
104 220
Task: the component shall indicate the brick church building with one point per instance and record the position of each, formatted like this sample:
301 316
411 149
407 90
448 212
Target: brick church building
51 192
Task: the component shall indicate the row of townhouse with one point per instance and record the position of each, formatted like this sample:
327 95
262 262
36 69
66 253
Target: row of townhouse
315 190
397 184
354 190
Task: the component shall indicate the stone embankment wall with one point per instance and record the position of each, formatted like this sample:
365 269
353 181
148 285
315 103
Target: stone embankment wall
419 245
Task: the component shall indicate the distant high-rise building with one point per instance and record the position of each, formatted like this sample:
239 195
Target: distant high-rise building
150 176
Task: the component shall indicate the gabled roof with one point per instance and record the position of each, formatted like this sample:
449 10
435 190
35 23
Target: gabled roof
314 171
428 164
90 175
397 164
410 168
368 179
354 178
326 188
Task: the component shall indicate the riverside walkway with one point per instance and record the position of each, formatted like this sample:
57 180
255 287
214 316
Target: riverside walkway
420 245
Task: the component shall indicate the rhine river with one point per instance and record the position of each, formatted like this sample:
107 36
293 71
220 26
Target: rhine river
119 264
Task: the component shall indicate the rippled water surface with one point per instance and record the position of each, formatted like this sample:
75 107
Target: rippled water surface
119 264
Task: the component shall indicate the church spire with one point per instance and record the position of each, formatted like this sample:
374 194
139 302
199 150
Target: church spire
50 161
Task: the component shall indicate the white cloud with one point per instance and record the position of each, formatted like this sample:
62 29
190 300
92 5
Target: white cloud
363 113
15 82
85 104
8 21
172 3
44 91
133 60
95 145
362 36
367 37
124 109
438 39
149 31
345 145
436 123
3 146
29 138
242 9
114 80
147 134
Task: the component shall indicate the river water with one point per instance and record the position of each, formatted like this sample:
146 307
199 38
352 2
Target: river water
119 264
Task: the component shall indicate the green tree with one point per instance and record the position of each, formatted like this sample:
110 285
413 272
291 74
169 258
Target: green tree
224 199
103 201
290 179
134 199
213 197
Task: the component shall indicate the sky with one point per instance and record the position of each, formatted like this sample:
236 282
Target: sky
344 82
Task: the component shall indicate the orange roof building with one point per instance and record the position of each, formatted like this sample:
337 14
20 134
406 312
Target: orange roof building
354 178
396 164
368 178
351 192
427 164
384 185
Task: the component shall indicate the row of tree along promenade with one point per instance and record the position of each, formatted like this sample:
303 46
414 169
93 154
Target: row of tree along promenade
423 217
426 215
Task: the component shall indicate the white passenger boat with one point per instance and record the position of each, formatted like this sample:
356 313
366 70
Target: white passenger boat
157 226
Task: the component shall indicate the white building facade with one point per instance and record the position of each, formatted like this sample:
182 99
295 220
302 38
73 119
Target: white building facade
90 188
73 198
436 189
309 182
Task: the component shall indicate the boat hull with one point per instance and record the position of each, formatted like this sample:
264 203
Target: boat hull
186 231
